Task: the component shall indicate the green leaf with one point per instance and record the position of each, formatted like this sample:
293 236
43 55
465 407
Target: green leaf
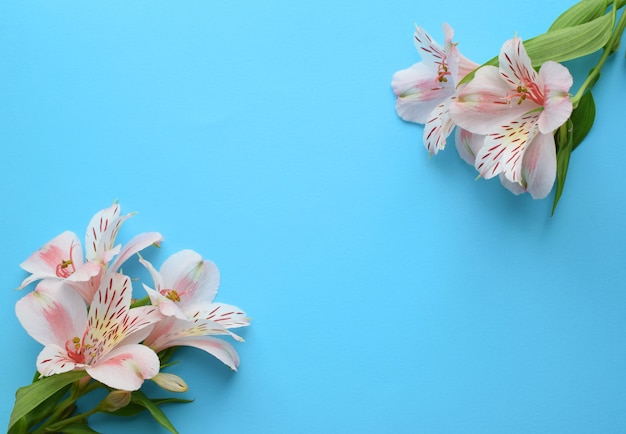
78 428
133 409
564 140
582 118
580 13
27 398
161 401
571 42
47 407
19 427
140 398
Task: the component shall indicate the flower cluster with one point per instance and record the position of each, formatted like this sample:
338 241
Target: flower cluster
506 115
514 115
96 335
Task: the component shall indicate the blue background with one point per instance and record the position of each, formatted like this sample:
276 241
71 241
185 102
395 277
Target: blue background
389 292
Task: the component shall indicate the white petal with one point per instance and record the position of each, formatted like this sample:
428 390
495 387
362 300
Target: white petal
438 127
226 315
515 65
101 233
557 105
135 245
503 151
220 349
126 367
468 144
430 50
53 313
156 276
539 166
513 187
419 91
53 359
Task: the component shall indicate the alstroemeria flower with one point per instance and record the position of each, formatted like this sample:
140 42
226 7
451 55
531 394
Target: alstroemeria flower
62 257
103 341
517 109
185 287
426 89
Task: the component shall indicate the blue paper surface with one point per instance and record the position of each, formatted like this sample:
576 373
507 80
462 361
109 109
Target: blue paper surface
390 292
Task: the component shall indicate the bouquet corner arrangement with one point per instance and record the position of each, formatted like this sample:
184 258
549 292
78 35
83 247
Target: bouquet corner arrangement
514 116
97 333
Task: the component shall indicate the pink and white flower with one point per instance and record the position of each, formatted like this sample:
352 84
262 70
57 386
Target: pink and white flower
62 257
517 109
103 341
426 89
185 288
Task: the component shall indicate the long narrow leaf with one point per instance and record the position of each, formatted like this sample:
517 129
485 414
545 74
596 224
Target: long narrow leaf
582 118
140 398
582 12
29 397
571 42
564 139
78 428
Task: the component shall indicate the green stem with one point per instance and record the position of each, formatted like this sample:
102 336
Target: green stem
64 408
608 49
78 418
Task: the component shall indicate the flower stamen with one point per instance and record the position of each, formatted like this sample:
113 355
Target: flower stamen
442 71
172 294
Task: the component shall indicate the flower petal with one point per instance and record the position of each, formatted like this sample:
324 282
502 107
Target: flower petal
126 367
468 144
515 65
431 52
226 315
503 151
137 244
156 276
438 127
101 233
419 92
220 349
539 166
513 187
53 359
53 313
557 105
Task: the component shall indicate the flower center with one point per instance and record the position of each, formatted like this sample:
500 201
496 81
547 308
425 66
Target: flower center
74 349
172 294
527 91
442 71
65 268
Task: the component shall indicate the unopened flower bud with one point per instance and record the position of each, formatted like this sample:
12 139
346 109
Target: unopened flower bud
115 400
170 382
